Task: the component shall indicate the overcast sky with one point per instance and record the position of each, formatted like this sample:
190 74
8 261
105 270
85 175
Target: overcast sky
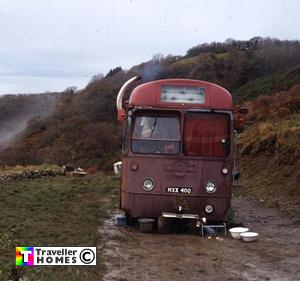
48 45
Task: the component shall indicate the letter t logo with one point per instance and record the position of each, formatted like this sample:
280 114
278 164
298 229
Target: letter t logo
25 255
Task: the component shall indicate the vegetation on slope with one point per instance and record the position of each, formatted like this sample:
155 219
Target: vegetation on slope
281 80
270 150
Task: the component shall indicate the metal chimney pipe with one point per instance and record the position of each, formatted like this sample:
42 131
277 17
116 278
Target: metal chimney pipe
122 90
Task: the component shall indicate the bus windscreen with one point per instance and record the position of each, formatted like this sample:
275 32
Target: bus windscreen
156 134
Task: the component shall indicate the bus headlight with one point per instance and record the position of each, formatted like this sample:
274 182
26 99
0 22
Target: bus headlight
148 184
209 209
210 187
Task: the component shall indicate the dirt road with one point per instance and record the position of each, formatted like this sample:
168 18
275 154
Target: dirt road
130 255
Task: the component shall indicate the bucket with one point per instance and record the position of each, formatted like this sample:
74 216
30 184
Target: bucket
120 219
118 168
146 225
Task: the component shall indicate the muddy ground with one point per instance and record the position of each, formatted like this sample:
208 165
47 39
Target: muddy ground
131 255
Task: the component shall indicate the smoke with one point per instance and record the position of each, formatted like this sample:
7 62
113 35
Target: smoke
152 68
17 110
8 133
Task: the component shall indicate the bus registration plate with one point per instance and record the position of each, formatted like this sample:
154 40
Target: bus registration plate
183 190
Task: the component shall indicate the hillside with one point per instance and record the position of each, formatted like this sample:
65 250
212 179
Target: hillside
82 128
269 155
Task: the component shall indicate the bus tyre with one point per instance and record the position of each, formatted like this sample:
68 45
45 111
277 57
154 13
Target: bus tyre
129 219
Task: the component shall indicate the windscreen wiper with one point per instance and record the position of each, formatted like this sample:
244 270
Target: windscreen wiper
153 127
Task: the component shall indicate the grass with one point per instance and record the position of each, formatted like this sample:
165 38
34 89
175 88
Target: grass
60 211
272 136
222 55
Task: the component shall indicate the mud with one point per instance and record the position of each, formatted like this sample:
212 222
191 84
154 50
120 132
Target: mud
131 255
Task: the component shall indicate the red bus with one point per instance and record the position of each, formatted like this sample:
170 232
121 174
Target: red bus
178 149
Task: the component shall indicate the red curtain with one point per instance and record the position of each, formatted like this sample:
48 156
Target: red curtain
206 134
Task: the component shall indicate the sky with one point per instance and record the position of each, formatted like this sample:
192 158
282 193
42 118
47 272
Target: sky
49 45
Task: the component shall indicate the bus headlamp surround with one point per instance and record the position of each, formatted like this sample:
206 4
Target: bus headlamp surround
210 187
209 209
148 184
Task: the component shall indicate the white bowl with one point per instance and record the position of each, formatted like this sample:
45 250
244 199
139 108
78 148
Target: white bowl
249 236
236 232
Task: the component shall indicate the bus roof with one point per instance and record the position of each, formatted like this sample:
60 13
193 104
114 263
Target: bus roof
160 94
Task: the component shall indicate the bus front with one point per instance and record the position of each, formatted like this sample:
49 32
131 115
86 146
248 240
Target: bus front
178 150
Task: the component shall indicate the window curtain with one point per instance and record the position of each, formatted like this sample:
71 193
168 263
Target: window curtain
206 134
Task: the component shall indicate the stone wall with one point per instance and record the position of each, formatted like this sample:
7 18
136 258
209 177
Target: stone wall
8 176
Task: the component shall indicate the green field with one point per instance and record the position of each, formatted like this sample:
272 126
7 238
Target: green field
59 211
